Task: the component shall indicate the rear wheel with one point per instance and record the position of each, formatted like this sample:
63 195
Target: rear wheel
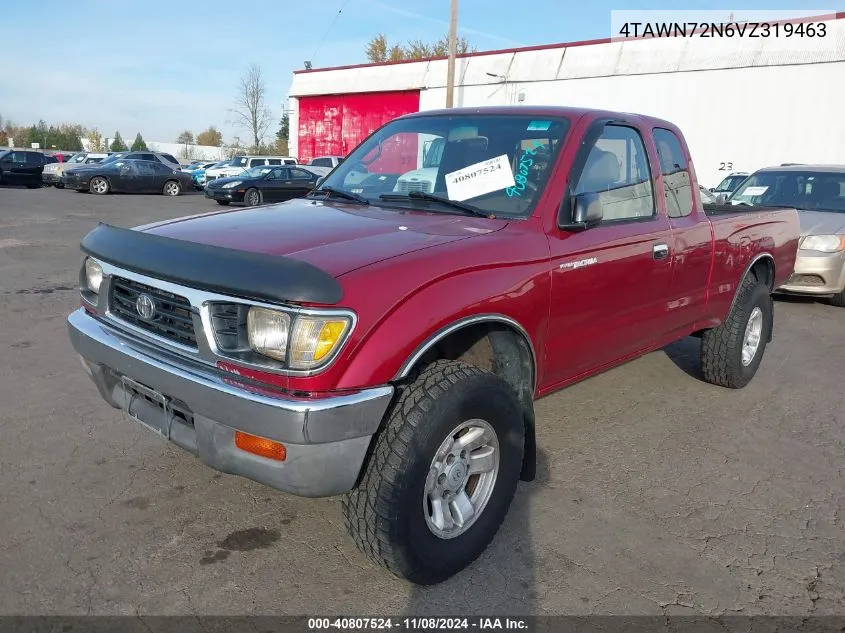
441 473
252 197
732 352
172 188
99 185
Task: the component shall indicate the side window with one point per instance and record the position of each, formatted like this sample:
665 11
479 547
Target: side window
300 174
617 170
34 158
676 177
144 168
170 158
148 157
279 174
322 162
290 161
19 157
255 162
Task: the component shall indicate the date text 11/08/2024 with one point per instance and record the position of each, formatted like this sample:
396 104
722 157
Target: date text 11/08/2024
713 29
418 624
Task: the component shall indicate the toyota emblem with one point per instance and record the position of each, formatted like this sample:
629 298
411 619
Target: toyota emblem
145 306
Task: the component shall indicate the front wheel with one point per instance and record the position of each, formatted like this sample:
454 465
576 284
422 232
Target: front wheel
838 300
172 188
252 197
441 474
99 185
731 353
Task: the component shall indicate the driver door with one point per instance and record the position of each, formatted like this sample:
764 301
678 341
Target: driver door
273 187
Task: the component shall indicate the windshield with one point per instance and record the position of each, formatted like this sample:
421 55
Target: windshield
499 163
78 158
730 183
805 190
238 161
255 172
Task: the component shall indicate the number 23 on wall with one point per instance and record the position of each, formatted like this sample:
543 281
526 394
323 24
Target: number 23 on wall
726 166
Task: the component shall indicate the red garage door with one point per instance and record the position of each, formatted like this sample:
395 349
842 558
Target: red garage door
332 125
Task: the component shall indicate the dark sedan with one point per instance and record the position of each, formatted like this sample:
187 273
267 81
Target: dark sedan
260 185
128 176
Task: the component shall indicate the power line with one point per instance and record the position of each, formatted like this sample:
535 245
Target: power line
329 30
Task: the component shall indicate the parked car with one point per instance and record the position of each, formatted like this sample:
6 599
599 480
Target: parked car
707 197
729 184
21 167
389 346
53 173
197 172
128 176
162 157
818 192
325 161
238 164
260 185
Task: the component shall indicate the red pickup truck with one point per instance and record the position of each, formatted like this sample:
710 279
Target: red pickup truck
385 337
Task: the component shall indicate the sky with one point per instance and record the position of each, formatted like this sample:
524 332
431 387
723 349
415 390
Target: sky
162 66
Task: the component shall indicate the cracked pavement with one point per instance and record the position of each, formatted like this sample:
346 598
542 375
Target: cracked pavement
656 494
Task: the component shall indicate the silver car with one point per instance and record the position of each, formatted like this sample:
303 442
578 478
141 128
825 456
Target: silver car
818 192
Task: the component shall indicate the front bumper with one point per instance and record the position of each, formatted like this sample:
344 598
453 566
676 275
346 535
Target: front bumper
816 273
326 439
230 195
51 178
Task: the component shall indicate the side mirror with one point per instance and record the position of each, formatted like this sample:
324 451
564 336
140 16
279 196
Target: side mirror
713 189
319 181
587 211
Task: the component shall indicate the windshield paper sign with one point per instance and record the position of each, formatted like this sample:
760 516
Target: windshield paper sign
476 180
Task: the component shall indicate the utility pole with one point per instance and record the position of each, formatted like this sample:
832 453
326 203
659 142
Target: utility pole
453 49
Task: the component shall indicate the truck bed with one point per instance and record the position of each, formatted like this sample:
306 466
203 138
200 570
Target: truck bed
727 209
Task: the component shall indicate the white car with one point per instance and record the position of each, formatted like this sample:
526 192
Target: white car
238 164
325 161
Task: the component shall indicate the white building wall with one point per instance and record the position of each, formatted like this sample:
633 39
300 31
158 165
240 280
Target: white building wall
744 102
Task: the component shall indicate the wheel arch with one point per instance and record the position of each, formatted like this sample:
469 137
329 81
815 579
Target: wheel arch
494 342
763 267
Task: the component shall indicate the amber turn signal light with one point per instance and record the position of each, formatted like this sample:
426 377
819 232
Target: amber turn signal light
260 446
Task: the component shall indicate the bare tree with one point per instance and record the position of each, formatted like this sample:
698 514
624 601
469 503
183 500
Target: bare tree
251 111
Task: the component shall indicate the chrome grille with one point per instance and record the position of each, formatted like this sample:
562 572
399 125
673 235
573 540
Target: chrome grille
228 322
172 319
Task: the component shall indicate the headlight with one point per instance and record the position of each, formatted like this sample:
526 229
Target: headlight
312 339
93 275
823 243
232 185
268 331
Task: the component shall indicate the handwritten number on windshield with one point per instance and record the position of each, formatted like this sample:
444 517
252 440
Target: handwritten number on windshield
525 163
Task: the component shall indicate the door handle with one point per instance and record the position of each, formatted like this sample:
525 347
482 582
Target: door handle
660 251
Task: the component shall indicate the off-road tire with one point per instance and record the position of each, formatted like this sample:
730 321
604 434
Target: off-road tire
838 300
721 347
384 513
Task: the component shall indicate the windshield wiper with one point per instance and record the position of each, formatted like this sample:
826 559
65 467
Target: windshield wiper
343 194
455 204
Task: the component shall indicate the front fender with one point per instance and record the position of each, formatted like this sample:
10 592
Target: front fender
516 295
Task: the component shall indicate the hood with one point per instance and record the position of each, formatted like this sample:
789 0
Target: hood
219 182
338 238
821 223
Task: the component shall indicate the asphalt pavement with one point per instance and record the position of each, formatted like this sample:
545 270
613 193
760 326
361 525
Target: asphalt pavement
657 493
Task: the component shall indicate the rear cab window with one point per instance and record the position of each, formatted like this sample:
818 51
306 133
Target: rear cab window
675 170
